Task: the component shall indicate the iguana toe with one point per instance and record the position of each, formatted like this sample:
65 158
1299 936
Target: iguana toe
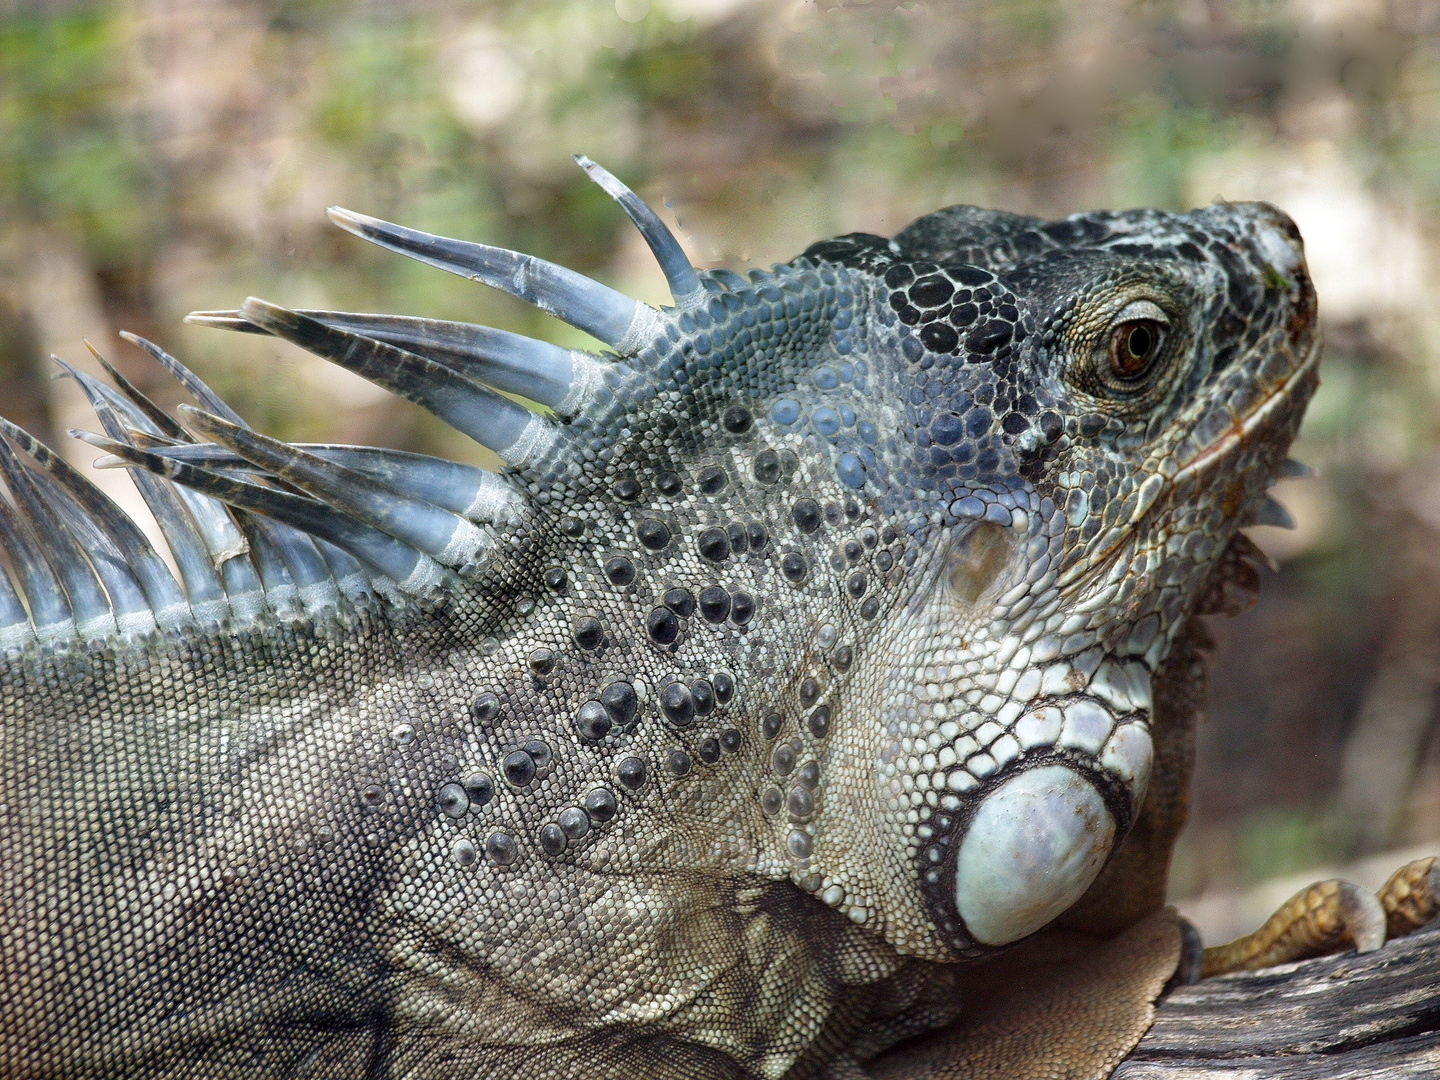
1411 898
1323 918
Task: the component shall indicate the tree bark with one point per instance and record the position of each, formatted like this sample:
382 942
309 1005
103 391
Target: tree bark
1336 1017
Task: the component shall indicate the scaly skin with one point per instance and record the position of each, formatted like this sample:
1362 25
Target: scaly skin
856 566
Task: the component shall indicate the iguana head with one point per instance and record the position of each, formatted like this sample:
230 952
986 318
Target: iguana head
852 573
1073 418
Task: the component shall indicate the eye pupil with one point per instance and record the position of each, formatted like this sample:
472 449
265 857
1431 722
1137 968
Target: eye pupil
1133 347
1139 342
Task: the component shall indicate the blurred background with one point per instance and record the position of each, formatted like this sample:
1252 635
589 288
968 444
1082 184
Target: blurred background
159 156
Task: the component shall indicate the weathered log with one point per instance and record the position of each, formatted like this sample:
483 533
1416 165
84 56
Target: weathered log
1334 1017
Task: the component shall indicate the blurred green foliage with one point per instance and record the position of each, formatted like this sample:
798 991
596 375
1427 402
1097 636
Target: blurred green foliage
69 152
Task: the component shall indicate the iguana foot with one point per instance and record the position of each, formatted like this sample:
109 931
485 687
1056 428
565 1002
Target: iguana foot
1332 915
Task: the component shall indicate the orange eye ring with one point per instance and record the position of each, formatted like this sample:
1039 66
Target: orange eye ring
1134 345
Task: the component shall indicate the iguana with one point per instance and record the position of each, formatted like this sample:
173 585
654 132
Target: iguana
816 645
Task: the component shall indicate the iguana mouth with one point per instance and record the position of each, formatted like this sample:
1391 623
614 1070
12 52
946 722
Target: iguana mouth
1205 461
1246 426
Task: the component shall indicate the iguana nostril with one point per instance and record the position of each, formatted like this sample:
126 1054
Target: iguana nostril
1033 847
1280 250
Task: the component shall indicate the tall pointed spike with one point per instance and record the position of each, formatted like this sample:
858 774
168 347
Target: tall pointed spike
198 453
510 429
313 582
89 603
203 587
281 595
147 441
622 323
679 274
478 494
131 607
563 379
448 537
162 592
15 628
223 320
156 415
298 560
187 378
242 580
133 417
351 577
225 546
413 571
228 549
49 609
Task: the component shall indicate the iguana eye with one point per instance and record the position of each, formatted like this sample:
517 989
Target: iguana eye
1127 361
1134 345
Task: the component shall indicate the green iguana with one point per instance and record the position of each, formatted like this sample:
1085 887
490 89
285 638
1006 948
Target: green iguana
828 637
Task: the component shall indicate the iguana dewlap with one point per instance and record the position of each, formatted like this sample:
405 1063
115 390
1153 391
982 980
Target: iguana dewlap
800 657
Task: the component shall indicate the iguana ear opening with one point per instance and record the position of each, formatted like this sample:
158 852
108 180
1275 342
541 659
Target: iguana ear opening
976 559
